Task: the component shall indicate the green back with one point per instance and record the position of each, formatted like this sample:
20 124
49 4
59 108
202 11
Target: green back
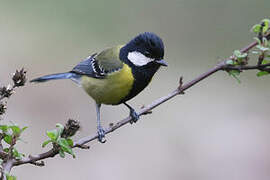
109 59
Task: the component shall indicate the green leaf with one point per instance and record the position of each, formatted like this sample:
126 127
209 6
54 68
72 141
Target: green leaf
240 56
266 25
60 128
62 142
262 48
1 161
258 40
6 150
4 128
65 146
265 61
53 134
46 142
230 62
237 53
16 130
16 154
10 177
265 42
70 142
243 55
256 28
61 153
8 139
255 52
23 129
235 73
262 73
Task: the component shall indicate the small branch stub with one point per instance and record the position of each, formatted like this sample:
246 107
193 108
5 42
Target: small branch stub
147 112
181 85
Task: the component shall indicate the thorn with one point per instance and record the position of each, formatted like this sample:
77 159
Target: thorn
83 146
147 112
180 85
180 82
260 59
111 124
40 164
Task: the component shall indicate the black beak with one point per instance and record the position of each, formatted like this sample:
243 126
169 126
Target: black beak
162 62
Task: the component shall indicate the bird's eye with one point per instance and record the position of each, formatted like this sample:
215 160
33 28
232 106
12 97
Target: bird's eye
147 53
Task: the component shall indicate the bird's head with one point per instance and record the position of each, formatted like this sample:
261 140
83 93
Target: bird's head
145 50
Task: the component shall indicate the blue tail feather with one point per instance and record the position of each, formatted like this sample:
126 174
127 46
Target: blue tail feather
67 75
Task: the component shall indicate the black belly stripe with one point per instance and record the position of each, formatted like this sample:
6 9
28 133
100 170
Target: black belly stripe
142 79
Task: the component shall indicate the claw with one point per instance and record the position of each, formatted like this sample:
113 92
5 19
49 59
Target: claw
134 115
101 135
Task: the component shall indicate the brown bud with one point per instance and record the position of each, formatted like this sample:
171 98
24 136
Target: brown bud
71 128
6 92
3 108
19 78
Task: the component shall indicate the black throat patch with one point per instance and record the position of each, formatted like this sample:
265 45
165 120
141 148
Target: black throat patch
142 75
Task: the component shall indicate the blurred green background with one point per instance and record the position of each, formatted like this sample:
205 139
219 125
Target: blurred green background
218 130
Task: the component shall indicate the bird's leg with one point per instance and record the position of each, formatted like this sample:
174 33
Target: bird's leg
133 114
100 130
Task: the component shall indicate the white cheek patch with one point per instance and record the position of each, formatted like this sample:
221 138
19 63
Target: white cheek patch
138 59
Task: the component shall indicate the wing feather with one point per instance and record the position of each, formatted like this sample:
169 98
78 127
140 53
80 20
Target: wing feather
100 65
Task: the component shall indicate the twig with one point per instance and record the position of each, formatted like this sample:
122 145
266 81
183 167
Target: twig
182 87
255 67
49 154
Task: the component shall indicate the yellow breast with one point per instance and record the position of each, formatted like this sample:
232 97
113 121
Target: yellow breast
110 90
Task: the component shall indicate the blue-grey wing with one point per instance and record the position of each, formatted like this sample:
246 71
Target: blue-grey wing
89 67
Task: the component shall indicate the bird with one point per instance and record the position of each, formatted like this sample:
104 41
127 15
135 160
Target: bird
117 74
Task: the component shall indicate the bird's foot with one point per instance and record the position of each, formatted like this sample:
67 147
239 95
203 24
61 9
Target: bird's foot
135 117
101 135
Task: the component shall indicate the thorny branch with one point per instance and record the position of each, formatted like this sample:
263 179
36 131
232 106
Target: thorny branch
221 66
